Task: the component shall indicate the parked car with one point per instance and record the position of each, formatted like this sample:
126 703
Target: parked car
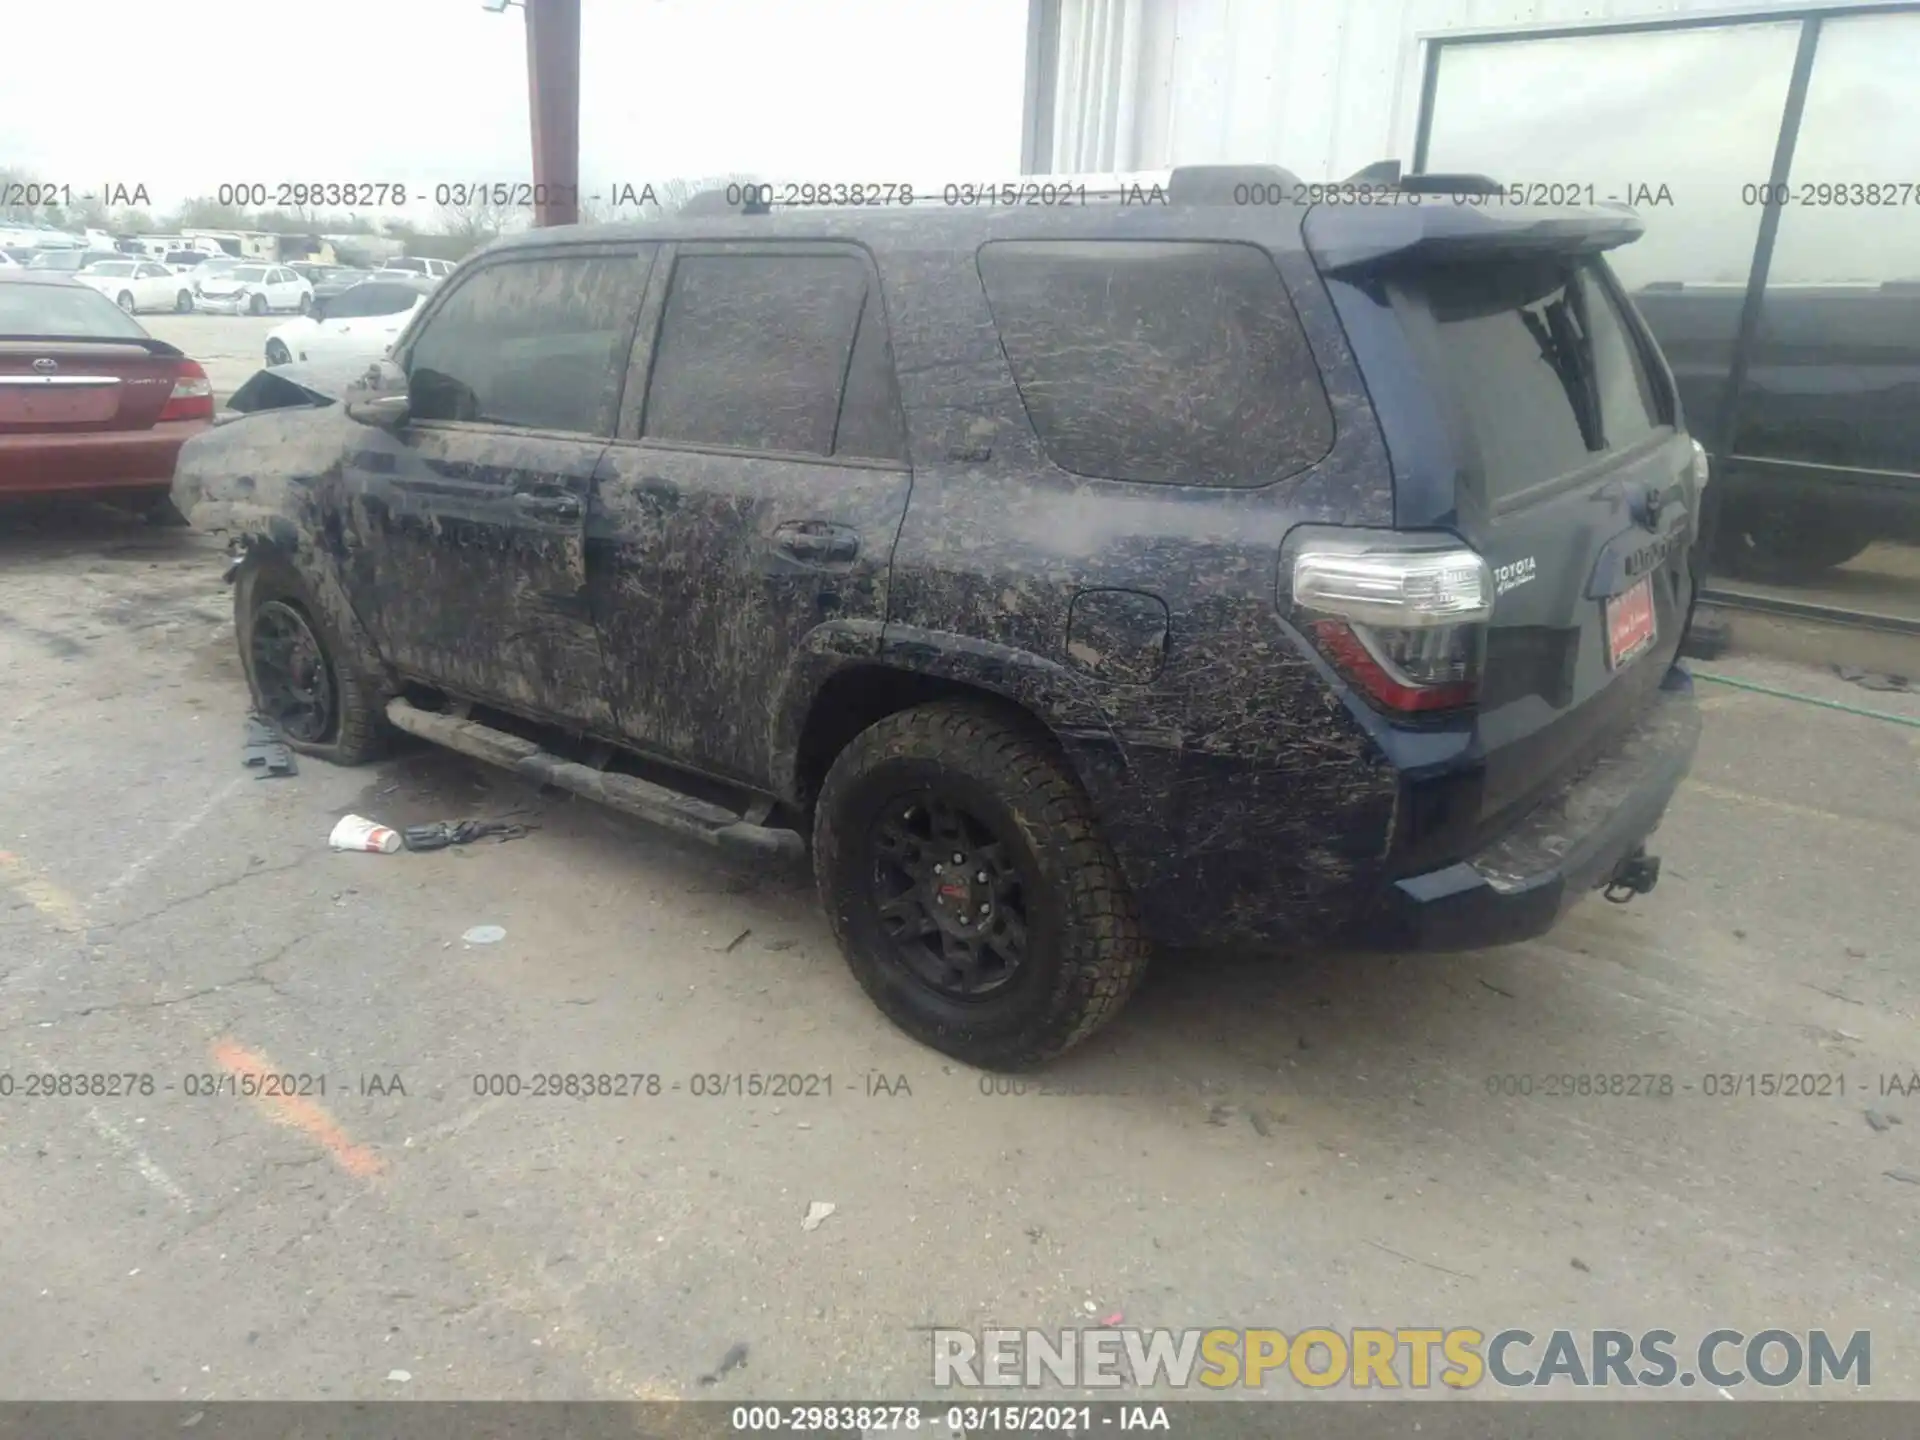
251 289
1046 599
358 324
341 280
70 262
1826 459
90 404
136 285
183 262
421 265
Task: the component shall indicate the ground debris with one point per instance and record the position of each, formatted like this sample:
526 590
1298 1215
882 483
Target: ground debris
818 1211
1873 679
735 1357
1879 1120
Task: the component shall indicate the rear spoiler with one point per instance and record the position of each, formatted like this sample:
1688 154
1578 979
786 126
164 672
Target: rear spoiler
145 342
1450 227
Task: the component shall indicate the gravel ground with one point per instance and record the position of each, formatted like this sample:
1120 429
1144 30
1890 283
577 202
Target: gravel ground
1262 1139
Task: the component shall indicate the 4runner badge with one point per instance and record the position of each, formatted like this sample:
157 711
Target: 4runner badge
1512 577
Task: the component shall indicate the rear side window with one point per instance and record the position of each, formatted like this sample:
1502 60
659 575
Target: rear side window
372 299
1538 361
774 352
534 343
1179 363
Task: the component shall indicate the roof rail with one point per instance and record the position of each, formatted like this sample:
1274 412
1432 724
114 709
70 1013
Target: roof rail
1217 184
1380 172
1437 183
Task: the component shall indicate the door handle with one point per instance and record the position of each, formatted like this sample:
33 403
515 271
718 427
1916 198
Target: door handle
550 507
816 542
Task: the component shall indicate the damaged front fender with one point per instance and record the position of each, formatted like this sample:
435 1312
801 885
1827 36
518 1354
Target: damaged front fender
262 484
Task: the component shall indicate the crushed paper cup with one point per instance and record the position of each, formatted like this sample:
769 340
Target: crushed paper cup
356 832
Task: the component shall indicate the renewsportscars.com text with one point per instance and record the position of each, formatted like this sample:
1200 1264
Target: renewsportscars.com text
1366 1358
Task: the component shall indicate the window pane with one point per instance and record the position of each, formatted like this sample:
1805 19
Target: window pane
1672 122
1629 409
536 343
753 351
1166 362
1822 500
870 424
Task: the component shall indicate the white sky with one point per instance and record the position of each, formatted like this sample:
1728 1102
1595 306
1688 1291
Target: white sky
183 99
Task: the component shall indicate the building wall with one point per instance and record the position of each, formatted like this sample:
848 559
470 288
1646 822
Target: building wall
1320 86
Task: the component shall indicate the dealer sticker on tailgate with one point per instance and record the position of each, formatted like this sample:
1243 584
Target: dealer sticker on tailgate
1629 623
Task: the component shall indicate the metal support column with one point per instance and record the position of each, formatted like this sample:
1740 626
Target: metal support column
553 95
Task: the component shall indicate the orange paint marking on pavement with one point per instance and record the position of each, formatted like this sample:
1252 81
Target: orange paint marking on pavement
296 1110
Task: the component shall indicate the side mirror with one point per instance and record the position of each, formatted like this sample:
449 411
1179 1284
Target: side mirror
385 412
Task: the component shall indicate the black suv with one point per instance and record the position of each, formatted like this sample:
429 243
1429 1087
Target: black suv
1172 568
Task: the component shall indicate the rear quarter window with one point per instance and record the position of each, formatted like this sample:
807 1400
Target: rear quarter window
1178 363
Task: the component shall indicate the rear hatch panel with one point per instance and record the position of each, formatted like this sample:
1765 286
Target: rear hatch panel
1526 411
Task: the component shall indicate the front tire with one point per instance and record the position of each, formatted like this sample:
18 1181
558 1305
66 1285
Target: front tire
301 676
183 303
277 354
257 305
125 301
1018 951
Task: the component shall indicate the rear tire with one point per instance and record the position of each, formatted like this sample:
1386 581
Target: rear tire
270 603
1047 880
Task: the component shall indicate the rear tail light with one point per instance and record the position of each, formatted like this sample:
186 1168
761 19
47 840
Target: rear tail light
192 397
1403 617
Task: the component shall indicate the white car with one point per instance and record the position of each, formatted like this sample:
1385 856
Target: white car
357 324
253 288
135 285
421 265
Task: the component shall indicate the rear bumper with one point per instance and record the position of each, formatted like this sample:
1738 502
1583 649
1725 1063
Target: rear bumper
98 463
1520 884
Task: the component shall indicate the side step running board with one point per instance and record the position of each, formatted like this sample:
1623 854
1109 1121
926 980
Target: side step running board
685 814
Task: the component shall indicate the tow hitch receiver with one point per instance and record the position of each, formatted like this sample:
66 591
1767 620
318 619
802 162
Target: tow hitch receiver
1635 875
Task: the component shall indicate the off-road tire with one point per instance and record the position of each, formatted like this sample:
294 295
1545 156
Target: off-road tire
1086 950
359 732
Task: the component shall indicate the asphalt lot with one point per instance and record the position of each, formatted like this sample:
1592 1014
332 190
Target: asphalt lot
1259 1140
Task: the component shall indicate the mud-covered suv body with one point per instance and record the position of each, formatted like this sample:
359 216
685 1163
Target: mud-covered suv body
1073 460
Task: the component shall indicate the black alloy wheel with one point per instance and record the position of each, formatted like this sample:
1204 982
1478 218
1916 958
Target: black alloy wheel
949 896
295 684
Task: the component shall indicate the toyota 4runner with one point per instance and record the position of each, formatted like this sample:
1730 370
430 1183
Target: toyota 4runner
1169 568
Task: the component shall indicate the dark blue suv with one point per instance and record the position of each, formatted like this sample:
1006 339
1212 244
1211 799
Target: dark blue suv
1234 559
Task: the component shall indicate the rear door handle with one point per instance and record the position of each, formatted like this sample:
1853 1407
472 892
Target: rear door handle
816 542
547 507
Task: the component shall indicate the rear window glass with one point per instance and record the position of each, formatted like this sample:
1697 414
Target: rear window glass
1164 362
1538 362
63 310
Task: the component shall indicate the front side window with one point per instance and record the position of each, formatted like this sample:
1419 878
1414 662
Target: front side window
754 353
537 343
1163 362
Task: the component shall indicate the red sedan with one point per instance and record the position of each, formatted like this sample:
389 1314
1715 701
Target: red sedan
90 404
